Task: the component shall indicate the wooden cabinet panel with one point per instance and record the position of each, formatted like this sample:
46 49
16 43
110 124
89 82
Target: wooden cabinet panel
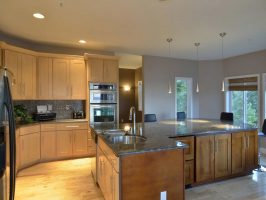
28 76
251 150
12 61
71 126
100 169
29 129
109 182
48 145
80 143
96 70
189 152
77 78
238 152
189 172
64 143
115 185
222 155
110 73
204 158
61 87
30 149
44 78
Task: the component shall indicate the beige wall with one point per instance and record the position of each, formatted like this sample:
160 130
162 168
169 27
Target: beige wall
211 98
157 71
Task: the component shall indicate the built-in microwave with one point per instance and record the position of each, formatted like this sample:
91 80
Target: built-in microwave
103 113
103 93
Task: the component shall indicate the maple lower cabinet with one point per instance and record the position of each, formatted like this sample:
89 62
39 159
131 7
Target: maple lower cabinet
71 139
48 142
29 145
244 151
44 78
102 69
23 67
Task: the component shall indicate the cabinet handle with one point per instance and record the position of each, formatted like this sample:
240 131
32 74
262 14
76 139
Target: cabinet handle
72 126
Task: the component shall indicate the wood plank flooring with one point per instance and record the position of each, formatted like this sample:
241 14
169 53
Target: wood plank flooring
71 180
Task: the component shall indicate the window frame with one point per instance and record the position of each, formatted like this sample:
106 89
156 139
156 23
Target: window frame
189 112
228 99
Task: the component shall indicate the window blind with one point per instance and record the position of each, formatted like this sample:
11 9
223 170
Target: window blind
243 84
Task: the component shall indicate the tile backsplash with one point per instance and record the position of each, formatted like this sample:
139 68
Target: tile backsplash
62 108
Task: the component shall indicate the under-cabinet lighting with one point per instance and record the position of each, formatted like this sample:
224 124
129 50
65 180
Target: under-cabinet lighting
82 41
38 15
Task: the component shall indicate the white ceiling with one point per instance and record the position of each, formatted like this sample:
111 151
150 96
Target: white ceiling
142 26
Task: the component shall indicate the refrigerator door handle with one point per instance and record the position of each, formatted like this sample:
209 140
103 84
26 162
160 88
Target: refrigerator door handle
8 103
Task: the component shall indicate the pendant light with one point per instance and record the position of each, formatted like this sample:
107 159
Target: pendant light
169 40
222 35
197 47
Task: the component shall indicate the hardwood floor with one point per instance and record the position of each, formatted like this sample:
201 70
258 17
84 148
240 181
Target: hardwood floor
71 180
62 180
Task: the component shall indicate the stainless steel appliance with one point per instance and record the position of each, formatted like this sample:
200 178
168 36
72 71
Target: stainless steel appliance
103 100
7 140
103 113
103 93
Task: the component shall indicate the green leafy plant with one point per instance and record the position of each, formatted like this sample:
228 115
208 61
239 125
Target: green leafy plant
21 112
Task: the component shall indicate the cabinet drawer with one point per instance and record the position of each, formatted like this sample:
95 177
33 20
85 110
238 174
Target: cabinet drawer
29 129
71 126
109 154
48 127
189 152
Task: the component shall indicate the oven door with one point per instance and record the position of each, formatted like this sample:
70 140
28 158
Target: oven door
100 96
103 113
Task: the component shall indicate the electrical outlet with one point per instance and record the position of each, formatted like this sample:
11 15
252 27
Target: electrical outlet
163 195
68 107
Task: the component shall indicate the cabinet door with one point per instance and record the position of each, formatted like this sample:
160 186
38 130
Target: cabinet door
64 143
189 172
251 150
61 87
100 169
77 77
238 152
48 145
204 158
44 78
30 149
28 76
12 61
222 155
110 73
96 70
109 180
80 142
189 152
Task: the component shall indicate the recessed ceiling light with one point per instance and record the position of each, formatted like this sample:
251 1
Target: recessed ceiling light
38 16
82 41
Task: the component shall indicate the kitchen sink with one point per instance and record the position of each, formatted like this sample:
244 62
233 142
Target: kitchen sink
127 139
115 132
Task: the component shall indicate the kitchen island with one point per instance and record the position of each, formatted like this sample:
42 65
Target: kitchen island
215 150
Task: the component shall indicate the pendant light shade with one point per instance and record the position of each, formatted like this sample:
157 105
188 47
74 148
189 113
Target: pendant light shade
197 47
169 40
222 35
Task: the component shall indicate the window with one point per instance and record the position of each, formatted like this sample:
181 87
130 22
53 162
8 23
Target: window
242 99
183 95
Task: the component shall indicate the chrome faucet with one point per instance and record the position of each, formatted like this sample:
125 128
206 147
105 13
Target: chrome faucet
133 112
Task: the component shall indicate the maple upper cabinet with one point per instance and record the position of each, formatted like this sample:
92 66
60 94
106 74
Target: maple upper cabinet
61 87
77 79
102 68
23 67
44 78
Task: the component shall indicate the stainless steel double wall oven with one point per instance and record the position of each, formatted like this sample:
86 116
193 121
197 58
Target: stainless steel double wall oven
103 103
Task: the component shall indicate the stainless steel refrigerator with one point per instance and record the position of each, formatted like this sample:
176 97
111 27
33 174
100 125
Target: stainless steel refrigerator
7 139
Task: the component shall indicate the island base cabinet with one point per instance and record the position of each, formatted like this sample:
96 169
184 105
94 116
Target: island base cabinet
189 172
146 175
244 151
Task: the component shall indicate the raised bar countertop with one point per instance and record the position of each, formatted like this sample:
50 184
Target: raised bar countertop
160 135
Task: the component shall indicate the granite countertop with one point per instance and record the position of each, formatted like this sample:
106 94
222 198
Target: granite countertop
49 122
160 135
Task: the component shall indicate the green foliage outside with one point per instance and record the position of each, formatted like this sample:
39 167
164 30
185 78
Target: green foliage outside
240 99
181 95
